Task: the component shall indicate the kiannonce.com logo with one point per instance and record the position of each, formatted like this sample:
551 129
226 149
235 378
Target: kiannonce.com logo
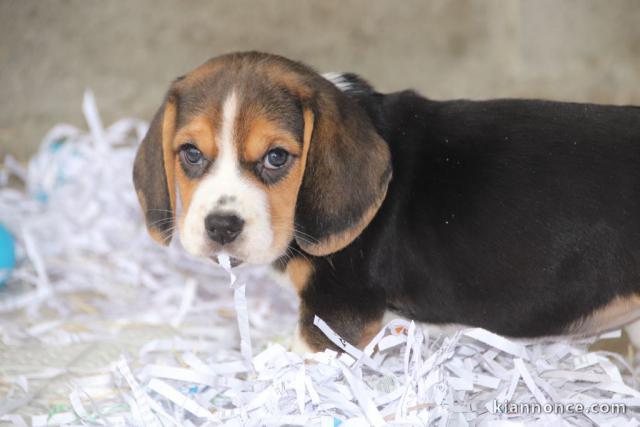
532 408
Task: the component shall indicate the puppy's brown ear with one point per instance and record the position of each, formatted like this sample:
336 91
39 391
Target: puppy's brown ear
347 172
153 173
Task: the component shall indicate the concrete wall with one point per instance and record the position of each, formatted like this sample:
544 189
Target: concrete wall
128 51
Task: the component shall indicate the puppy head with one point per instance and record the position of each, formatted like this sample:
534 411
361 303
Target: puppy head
261 151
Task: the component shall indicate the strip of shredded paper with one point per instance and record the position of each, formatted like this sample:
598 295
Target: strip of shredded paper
90 278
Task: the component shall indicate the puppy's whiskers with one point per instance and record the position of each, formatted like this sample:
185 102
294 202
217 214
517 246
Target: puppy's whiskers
295 229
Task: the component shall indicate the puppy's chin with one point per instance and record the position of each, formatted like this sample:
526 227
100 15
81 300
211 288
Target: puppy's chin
212 254
236 259
199 247
260 259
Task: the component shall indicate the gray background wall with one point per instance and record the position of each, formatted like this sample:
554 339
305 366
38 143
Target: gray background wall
128 51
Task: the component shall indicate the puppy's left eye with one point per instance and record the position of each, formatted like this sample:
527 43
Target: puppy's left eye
274 165
276 158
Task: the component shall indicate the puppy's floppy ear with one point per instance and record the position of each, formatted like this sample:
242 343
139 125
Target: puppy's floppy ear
347 172
153 173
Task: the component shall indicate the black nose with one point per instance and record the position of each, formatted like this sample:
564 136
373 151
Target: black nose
223 228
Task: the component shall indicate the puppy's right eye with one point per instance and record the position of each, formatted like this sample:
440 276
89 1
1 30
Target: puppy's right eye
191 155
194 163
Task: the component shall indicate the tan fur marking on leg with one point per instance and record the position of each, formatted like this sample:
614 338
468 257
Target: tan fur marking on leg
369 332
615 314
299 271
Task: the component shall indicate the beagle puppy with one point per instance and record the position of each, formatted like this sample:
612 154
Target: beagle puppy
518 216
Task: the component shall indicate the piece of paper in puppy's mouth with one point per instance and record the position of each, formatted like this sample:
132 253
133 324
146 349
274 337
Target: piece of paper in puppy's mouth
242 314
232 261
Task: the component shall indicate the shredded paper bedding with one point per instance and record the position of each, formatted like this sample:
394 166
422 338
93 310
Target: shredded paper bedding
196 344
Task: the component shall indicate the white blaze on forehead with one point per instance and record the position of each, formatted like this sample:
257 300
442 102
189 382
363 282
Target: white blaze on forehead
243 198
227 154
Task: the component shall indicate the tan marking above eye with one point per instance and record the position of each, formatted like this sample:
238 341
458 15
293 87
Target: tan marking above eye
264 135
200 133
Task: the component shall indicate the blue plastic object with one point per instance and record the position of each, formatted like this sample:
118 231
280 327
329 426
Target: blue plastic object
7 254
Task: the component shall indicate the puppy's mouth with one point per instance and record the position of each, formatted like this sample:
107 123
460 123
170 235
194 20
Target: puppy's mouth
233 261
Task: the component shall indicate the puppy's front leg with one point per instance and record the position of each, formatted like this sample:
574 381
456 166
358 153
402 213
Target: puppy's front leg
354 314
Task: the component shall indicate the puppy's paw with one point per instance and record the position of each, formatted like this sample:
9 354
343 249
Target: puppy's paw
299 345
633 330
